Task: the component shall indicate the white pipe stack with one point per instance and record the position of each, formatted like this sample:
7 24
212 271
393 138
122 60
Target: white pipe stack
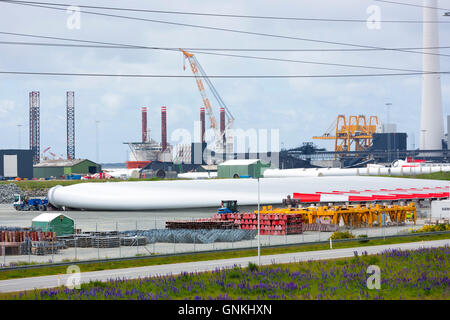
368 171
432 119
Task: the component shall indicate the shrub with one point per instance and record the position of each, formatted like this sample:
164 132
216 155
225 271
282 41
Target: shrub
235 273
433 228
342 235
363 238
252 266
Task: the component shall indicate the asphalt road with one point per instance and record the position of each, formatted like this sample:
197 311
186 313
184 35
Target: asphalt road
140 272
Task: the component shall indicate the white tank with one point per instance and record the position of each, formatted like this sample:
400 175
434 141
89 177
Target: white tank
368 171
432 118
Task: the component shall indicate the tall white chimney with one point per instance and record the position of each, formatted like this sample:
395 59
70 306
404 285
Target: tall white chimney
432 118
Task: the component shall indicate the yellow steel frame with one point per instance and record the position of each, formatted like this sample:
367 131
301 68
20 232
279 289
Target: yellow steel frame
356 132
352 215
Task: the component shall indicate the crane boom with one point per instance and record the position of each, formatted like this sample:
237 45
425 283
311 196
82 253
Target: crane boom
200 75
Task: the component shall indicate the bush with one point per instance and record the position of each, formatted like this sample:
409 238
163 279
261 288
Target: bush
433 228
363 238
342 235
235 273
252 266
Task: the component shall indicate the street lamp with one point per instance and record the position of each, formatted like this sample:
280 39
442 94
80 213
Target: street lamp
389 136
422 142
259 227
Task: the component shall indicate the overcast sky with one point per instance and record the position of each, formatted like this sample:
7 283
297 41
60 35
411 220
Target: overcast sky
299 108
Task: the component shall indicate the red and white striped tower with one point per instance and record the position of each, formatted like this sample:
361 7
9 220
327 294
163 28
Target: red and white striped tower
144 125
222 125
163 128
202 124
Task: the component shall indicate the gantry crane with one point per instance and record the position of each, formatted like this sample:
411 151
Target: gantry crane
356 133
220 145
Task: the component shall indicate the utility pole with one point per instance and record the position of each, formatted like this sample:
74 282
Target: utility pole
423 131
389 133
259 226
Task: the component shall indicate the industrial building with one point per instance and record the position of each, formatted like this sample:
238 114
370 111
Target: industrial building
54 222
169 170
158 169
252 168
148 150
61 168
16 163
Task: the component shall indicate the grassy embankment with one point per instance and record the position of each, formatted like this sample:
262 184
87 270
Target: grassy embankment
28 185
49 270
431 176
418 274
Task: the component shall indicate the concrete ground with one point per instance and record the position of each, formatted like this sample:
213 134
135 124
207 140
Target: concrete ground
121 221
200 266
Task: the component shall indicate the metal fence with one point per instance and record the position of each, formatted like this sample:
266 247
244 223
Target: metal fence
135 239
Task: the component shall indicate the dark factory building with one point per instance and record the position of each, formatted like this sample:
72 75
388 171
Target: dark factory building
395 141
16 163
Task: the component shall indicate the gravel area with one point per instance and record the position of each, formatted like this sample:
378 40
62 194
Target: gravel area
41 192
7 192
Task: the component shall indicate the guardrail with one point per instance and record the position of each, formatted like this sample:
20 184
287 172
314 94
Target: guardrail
188 253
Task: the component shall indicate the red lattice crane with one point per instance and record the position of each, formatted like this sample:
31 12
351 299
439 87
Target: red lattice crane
200 75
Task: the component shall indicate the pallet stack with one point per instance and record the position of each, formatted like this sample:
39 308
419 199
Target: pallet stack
133 241
104 239
105 242
270 224
21 236
41 248
201 224
80 241
10 248
322 227
16 241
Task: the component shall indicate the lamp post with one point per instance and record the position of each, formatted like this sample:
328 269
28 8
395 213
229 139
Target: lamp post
259 227
389 136
422 142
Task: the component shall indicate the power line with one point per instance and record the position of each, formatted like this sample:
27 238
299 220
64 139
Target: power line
412 5
225 29
106 44
306 62
210 49
217 76
223 54
214 14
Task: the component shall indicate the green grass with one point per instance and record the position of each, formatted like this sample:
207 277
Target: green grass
50 270
431 176
27 185
415 274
